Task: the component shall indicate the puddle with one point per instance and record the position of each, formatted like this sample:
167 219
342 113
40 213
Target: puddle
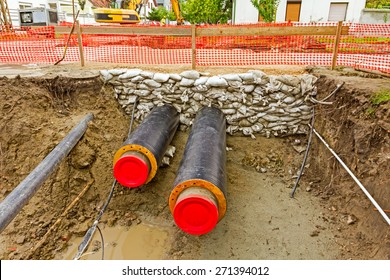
139 242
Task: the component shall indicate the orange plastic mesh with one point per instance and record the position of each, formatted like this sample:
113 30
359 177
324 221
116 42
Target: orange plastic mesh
367 46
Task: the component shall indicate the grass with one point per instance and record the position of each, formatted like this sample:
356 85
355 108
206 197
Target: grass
377 99
381 97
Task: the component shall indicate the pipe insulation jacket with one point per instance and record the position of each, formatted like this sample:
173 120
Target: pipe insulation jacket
198 198
15 201
137 161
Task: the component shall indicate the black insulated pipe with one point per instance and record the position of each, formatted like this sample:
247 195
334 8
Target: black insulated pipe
137 161
15 201
198 198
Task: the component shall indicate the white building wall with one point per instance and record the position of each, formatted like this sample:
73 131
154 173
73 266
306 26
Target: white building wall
244 12
86 16
318 10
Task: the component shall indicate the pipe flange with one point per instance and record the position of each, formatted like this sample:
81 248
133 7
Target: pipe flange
201 184
142 150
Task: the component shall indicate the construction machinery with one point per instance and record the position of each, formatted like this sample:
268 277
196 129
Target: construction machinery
120 11
5 17
127 12
176 10
38 16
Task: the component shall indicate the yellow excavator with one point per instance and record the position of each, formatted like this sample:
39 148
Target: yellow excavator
127 12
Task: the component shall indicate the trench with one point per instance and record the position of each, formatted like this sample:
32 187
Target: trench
262 222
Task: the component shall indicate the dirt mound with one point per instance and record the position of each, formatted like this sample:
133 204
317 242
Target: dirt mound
357 127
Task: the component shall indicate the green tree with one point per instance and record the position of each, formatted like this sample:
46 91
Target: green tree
207 11
82 4
267 9
378 4
157 14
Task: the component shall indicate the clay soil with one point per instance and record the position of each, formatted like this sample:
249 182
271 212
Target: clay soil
329 218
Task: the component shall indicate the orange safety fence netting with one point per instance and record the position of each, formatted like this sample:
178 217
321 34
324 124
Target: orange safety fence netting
366 46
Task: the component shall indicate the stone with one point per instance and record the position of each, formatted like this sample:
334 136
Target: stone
142 86
185 120
175 77
161 77
247 131
20 239
201 81
137 79
186 82
170 152
232 77
248 88
289 80
289 100
117 72
147 74
258 73
247 77
229 111
244 123
131 73
271 118
190 74
216 81
351 219
257 127
165 161
299 149
106 76
152 83
142 92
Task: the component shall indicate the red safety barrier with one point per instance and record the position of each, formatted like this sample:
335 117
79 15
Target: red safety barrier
365 46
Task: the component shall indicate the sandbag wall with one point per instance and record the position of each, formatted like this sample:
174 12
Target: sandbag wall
253 102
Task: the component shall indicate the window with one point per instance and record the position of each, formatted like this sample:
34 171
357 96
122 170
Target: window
26 17
337 11
25 5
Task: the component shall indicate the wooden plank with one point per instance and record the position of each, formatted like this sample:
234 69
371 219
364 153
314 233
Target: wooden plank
102 30
80 41
193 46
270 31
336 44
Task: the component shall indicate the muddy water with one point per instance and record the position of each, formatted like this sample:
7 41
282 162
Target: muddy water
141 241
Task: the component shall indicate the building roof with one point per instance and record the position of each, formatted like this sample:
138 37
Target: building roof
100 3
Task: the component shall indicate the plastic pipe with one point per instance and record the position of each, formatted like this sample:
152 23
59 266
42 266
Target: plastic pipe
137 161
198 198
15 201
365 191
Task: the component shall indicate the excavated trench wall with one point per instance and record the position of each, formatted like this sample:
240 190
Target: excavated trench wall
253 102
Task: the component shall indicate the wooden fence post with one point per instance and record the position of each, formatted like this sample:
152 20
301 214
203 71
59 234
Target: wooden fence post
193 46
80 41
336 44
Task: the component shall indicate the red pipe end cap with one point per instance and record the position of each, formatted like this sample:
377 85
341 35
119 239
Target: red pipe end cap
131 171
196 214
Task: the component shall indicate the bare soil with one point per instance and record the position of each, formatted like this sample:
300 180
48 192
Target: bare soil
329 218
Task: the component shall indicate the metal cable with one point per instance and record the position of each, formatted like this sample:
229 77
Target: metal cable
322 102
88 236
101 237
339 86
305 157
